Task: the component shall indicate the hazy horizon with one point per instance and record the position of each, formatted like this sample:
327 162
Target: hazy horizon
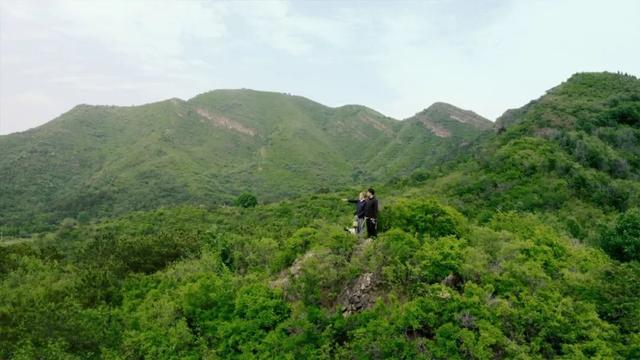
397 58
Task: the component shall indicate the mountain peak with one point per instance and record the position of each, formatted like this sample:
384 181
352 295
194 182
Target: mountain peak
439 105
441 118
455 113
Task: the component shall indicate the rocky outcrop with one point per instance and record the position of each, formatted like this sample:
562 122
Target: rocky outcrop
360 294
225 122
437 130
443 120
440 109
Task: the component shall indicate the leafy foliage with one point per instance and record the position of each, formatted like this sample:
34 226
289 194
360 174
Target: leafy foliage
623 241
246 200
425 217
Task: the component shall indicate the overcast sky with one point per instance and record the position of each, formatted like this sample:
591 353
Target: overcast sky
396 57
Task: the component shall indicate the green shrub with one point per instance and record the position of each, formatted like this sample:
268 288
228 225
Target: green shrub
246 200
319 280
294 246
623 241
438 258
392 252
616 296
423 217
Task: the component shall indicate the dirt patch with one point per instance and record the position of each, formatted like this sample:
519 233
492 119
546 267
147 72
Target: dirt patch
375 123
225 122
437 130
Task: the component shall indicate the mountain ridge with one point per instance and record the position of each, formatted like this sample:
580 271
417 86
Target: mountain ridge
206 150
176 100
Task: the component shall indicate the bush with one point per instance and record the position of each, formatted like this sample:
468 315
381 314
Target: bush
438 258
296 245
319 280
246 200
423 217
393 250
623 241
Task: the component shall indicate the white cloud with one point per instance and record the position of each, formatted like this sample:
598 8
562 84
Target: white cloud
152 32
276 24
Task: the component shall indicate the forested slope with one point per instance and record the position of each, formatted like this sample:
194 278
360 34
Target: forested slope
96 161
286 281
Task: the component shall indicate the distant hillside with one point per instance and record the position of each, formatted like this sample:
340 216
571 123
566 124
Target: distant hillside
446 120
97 160
429 138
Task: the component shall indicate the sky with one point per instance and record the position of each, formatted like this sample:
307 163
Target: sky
396 57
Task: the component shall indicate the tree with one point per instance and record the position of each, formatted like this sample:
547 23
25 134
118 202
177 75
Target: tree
246 200
623 242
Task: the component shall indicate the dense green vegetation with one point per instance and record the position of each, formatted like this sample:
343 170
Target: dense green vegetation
190 283
96 161
525 245
569 155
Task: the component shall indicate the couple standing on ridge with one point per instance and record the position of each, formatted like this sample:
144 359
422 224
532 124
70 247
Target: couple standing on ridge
366 213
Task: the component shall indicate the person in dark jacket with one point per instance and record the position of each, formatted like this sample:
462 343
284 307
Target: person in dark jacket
359 213
371 213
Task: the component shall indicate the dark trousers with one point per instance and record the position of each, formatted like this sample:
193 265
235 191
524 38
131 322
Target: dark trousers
372 227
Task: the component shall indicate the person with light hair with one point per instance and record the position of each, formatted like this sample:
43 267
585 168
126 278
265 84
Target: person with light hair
358 219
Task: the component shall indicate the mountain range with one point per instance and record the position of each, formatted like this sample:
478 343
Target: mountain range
97 160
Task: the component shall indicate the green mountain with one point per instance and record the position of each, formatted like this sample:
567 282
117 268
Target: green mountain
97 160
427 139
525 245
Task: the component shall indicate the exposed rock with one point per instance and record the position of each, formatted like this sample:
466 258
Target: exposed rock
440 117
436 129
360 294
375 123
225 122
